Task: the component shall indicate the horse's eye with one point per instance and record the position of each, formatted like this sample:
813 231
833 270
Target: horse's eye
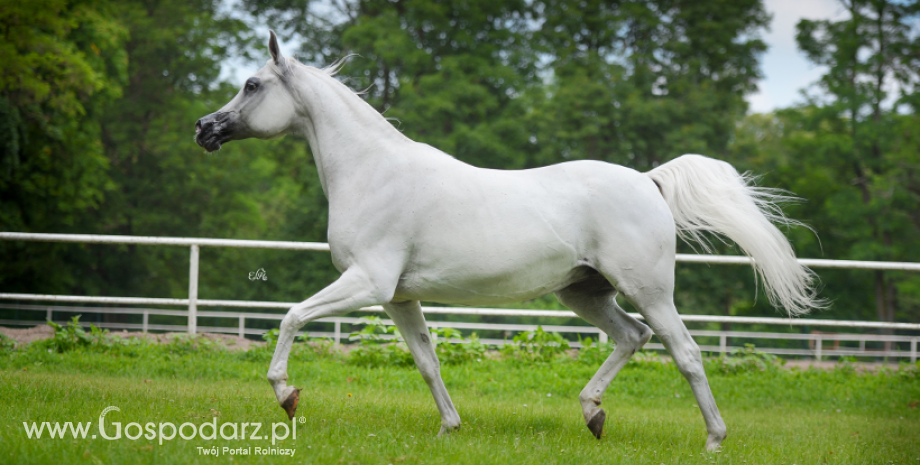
251 86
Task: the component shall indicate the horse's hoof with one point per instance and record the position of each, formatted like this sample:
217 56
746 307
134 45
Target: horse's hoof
596 423
714 442
446 430
290 404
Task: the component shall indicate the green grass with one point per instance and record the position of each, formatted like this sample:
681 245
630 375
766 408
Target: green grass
386 415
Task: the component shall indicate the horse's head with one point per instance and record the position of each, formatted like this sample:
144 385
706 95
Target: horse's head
263 108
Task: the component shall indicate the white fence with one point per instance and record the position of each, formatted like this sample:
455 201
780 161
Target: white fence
817 340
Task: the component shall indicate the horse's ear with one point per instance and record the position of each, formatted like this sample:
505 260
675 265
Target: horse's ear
274 49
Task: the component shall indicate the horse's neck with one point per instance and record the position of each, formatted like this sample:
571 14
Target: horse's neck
347 136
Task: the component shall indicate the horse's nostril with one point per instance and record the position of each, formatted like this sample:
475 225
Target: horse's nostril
197 126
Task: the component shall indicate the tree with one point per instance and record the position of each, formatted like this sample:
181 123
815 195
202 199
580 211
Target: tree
447 73
63 61
641 82
864 140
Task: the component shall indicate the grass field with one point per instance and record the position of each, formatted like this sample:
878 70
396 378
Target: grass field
513 412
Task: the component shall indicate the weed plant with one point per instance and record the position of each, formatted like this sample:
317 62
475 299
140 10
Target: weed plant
536 346
454 349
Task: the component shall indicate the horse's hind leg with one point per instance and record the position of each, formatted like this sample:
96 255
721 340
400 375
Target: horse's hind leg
665 321
595 300
411 323
651 289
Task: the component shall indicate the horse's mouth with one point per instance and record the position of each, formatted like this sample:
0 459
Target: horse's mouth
212 134
211 140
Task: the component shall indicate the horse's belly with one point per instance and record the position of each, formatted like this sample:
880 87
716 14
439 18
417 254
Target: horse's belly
487 283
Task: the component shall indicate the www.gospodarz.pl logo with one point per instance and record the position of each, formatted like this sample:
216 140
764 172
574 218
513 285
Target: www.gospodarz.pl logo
167 431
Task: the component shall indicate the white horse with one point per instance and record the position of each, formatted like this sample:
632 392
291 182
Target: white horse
409 223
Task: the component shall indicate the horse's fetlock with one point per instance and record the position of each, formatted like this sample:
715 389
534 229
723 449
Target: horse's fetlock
276 376
594 398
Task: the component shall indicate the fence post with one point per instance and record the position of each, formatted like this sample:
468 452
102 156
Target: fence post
818 346
146 319
48 314
338 331
601 337
193 291
913 350
242 326
723 344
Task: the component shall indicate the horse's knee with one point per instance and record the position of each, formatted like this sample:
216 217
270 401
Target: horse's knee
290 322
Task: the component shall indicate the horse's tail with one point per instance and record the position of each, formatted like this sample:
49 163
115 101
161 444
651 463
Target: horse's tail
710 195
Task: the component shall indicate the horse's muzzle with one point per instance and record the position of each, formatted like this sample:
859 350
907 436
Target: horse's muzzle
213 130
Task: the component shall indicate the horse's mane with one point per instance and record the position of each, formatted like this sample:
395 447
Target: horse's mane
331 70
337 65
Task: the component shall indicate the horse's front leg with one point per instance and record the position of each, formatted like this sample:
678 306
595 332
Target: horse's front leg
411 323
353 290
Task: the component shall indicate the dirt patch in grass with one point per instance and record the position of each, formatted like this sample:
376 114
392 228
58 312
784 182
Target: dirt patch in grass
37 333
27 335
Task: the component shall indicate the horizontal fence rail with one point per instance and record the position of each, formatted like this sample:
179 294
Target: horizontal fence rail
816 340
323 247
463 311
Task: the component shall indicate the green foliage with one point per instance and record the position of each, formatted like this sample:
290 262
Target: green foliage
536 346
851 152
63 61
379 345
271 338
640 102
743 360
6 343
453 349
594 353
375 350
185 344
72 336
319 346
374 331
